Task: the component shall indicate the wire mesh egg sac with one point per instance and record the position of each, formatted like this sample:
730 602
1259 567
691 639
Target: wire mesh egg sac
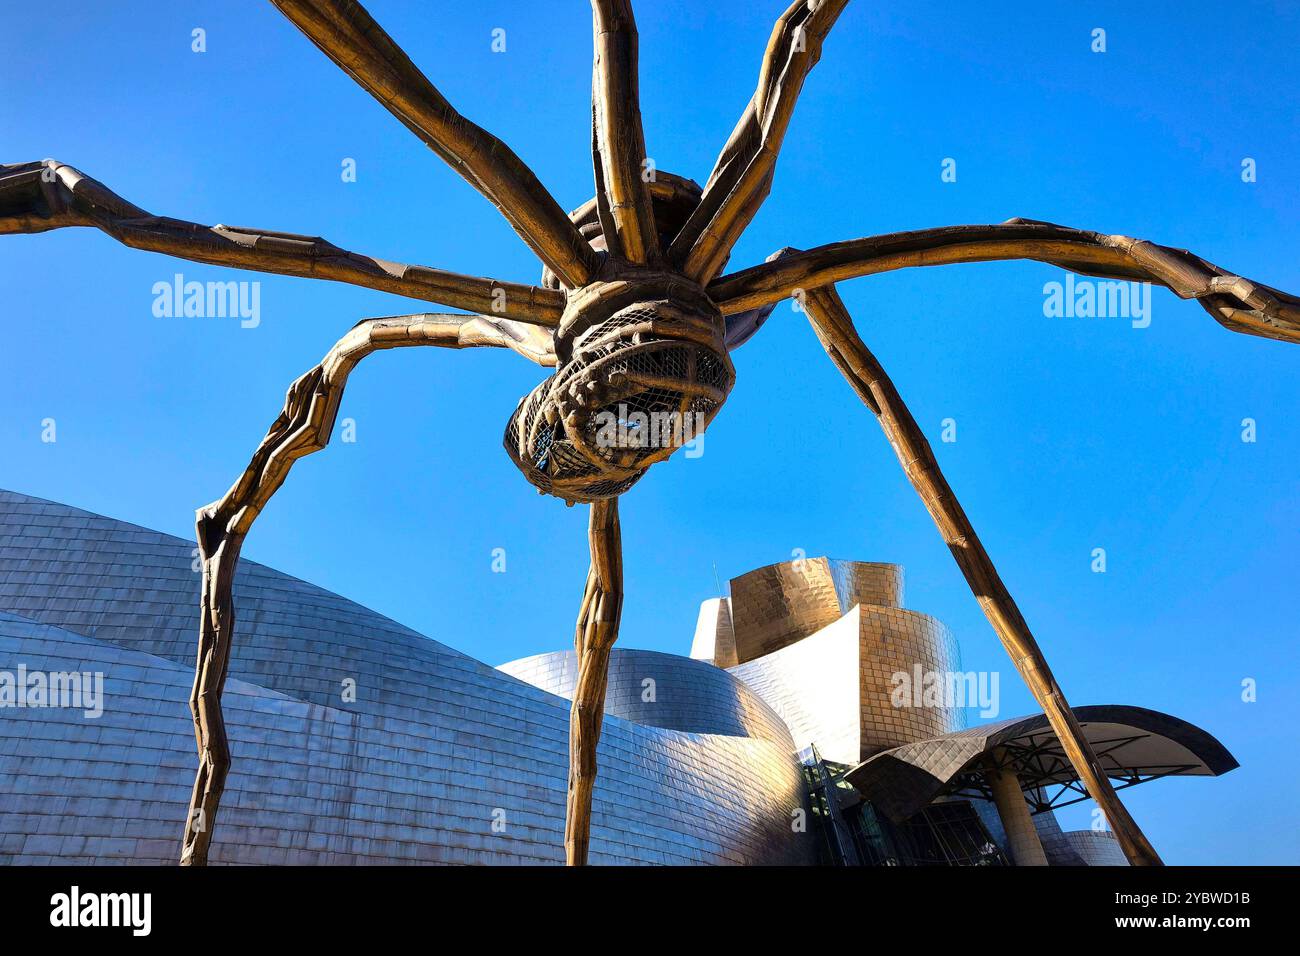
638 385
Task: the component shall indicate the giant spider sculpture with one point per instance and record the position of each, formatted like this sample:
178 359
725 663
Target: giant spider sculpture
633 316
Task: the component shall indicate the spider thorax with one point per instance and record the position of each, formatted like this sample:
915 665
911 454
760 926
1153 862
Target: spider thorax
641 370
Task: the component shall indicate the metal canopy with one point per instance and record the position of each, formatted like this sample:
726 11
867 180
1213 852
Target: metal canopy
1133 744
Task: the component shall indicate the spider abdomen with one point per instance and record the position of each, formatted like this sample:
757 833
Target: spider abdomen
642 369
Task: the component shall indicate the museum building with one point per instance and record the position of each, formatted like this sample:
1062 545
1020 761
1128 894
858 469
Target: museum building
781 739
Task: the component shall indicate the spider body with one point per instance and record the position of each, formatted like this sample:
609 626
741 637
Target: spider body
637 320
642 368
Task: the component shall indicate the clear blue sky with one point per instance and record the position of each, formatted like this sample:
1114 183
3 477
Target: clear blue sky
1073 434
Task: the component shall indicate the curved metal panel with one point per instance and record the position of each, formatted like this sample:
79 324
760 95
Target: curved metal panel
835 688
663 690
775 606
715 638
1129 741
440 758
1090 847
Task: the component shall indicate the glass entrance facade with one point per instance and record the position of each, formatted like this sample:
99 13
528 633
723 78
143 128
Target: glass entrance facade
851 833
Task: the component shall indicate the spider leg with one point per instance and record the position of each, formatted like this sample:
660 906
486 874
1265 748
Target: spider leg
303 427
618 141
602 606
1235 303
834 327
742 175
349 36
38 197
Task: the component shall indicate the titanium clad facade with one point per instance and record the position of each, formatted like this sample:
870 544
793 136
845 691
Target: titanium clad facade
715 638
357 740
1091 847
435 749
778 605
664 690
814 686
893 642
835 689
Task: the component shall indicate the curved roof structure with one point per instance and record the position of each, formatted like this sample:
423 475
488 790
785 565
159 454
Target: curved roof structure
1134 745
434 757
781 604
663 690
